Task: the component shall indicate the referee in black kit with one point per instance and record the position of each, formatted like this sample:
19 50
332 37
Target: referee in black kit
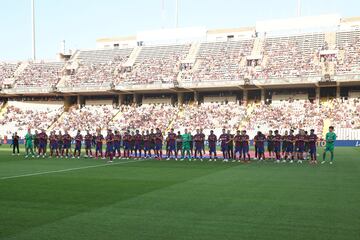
15 143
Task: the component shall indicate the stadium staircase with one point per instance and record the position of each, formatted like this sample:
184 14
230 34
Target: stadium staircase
133 56
117 116
326 125
173 120
258 47
245 121
59 119
330 38
264 61
190 58
62 81
328 67
3 109
75 55
21 68
193 51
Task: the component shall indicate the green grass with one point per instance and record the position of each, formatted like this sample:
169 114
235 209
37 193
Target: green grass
179 200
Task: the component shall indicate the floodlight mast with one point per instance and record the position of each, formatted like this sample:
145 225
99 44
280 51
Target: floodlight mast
177 14
299 8
163 13
33 29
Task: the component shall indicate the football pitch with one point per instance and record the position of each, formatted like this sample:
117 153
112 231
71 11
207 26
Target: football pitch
149 199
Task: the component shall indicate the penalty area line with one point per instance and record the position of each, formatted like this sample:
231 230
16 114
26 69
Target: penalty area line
68 170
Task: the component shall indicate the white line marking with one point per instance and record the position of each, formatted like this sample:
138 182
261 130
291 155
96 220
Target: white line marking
68 169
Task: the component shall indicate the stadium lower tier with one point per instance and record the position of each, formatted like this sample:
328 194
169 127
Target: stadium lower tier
18 116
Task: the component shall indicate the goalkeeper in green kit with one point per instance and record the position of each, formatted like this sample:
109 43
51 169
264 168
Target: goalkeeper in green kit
186 141
29 144
330 142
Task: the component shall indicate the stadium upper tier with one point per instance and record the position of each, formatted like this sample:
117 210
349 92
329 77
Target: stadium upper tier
7 71
154 64
263 59
39 74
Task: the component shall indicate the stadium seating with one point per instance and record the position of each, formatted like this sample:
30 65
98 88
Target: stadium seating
286 115
97 66
154 115
349 60
344 113
292 56
155 64
7 70
85 118
20 116
221 60
209 116
44 74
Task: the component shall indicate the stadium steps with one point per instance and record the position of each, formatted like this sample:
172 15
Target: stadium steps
330 38
326 125
3 110
243 62
264 61
133 56
341 56
59 119
62 81
117 116
75 55
331 69
245 121
193 51
196 64
21 68
257 47
177 116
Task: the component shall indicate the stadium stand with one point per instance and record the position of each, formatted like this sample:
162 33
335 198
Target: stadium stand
155 64
97 67
292 56
7 70
348 42
90 117
44 74
286 115
154 115
259 58
211 116
221 60
21 115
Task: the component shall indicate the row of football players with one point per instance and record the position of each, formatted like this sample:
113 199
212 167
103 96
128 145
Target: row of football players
236 147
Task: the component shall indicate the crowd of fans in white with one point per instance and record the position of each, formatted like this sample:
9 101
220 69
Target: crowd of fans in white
20 116
152 70
40 75
86 118
351 62
296 62
89 73
145 117
155 65
211 116
222 61
7 71
284 115
344 113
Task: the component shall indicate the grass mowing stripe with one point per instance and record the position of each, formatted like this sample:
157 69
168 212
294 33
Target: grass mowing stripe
67 170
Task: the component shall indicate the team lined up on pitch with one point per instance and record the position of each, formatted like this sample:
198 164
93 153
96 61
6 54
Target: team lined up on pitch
235 147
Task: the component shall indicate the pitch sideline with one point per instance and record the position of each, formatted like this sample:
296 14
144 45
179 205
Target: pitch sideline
68 169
